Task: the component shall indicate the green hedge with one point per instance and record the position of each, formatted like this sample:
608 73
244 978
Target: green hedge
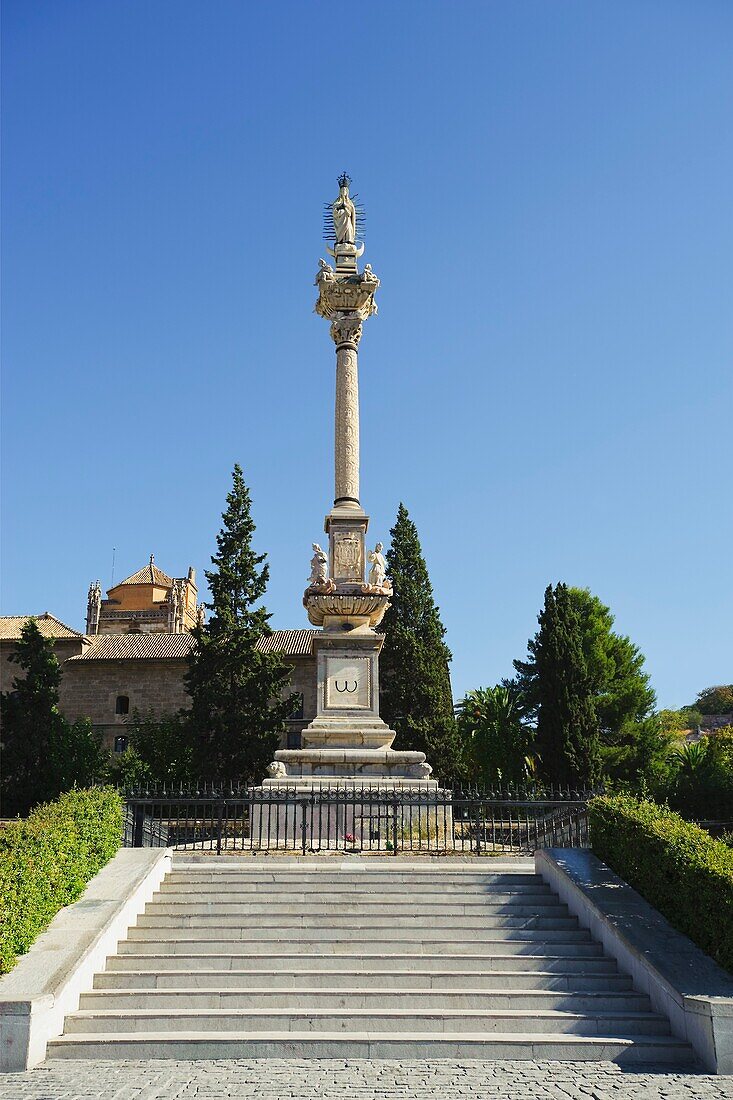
675 865
47 859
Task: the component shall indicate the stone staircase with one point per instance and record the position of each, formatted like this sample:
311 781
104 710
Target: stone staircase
236 958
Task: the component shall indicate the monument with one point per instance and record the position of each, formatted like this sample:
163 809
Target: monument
347 745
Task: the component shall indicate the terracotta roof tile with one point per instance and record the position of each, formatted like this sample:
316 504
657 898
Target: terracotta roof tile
49 626
161 647
137 647
149 574
290 643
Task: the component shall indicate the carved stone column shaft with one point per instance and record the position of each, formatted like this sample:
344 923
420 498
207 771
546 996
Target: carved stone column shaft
346 334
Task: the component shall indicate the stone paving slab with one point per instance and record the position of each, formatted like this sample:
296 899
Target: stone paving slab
333 1079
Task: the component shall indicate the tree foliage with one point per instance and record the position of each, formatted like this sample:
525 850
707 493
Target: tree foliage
415 689
237 704
679 721
556 684
715 700
160 748
699 783
497 745
42 754
622 698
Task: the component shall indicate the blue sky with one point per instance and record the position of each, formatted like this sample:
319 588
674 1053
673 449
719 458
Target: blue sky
547 385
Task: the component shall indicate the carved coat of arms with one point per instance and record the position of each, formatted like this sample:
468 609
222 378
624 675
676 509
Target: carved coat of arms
347 556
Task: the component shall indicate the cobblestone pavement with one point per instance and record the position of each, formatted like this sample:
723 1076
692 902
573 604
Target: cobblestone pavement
332 1079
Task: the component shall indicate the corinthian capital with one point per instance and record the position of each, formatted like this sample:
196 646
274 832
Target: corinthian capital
346 329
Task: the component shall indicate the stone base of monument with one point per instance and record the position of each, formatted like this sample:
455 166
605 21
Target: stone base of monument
362 765
314 812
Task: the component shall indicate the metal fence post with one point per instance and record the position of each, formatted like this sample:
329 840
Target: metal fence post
303 818
138 825
220 816
395 804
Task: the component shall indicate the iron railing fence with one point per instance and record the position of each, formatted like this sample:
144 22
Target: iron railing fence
230 817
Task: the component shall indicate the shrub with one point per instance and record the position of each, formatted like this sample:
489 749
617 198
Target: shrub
675 865
47 859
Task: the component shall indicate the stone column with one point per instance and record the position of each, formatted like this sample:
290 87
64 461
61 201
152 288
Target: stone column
346 333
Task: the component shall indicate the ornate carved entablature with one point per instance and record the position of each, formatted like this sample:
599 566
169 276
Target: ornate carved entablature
352 294
369 607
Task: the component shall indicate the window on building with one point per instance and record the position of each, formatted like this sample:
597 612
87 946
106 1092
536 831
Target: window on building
296 713
122 705
120 744
294 739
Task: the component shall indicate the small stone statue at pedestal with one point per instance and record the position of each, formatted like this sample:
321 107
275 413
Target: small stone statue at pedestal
378 580
319 580
325 273
319 567
378 571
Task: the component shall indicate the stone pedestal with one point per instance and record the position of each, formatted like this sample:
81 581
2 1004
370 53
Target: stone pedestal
347 740
339 813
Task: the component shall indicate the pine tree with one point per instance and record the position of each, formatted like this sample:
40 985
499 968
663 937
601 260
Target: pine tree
42 753
237 705
415 689
567 726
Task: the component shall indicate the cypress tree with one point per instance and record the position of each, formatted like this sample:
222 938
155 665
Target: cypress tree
415 689
567 726
623 699
42 753
237 705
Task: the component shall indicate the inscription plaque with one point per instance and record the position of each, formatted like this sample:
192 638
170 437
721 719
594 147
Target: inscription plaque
348 683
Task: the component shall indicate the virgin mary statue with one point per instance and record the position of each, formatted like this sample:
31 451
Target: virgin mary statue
344 214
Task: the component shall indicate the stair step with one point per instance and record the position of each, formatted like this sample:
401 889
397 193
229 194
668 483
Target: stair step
354 923
357 932
371 1020
590 962
362 890
318 902
317 980
187 1046
381 998
363 878
143 941
414 909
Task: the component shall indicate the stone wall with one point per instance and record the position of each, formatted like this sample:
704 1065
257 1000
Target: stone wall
10 670
89 689
302 680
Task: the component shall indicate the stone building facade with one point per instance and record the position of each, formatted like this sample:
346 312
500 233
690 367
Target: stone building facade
66 642
107 677
117 675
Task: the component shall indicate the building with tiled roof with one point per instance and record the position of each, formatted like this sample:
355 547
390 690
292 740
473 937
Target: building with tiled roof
48 624
148 601
134 655
67 642
118 674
